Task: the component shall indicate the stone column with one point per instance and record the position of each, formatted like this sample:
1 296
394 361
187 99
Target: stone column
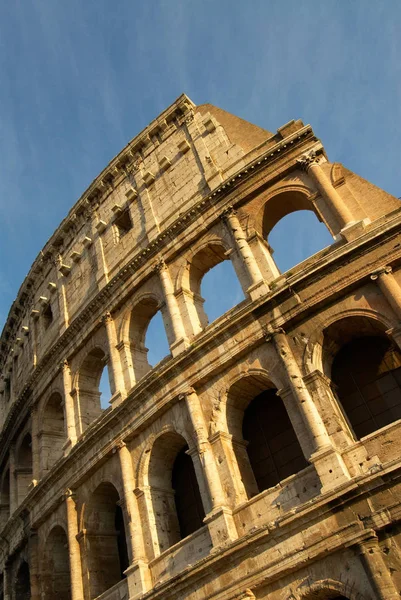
36 474
68 408
77 591
219 520
376 569
7 581
180 341
138 574
34 569
328 463
13 481
114 363
389 287
258 286
309 162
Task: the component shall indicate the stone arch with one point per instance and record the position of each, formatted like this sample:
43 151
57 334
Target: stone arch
87 381
23 465
55 566
327 589
105 546
179 508
52 434
364 366
134 328
282 201
313 354
4 496
264 438
22 584
202 259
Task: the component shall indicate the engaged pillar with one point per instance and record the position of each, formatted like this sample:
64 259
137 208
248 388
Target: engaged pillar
138 575
180 341
114 363
77 591
219 520
258 286
328 463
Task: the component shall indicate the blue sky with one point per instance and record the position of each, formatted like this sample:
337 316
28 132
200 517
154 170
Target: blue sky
79 79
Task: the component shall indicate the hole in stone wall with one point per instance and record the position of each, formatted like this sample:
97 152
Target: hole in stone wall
47 317
123 224
296 237
221 290
156 340
104 388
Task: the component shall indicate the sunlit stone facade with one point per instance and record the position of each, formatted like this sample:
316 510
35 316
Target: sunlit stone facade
261 458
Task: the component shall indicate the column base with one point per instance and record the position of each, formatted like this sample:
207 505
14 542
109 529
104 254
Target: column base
116 398
221 526
353 230
331 468
138 579
179 346
258 289
67 446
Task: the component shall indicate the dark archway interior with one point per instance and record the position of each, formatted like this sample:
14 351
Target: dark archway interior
188 501
273 448
367 373
22 584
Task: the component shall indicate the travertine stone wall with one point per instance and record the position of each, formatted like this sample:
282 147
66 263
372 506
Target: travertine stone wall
88 507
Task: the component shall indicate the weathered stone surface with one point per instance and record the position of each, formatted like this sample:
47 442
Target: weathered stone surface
160 496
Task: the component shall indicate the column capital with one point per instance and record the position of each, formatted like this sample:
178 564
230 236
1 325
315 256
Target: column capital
160 266
272 333
188 392
69 493
229 211
381 271
64 365
308 160
106 318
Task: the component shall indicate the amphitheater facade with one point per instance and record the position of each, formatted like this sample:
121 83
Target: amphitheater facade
261 458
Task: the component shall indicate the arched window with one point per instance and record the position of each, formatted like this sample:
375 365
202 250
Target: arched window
264 441
107 557
188 501
22 582
367 374
88 387
273 448
176 498
5 499
148 336
52 433
23 470
293 228
296 237
55 568
213 284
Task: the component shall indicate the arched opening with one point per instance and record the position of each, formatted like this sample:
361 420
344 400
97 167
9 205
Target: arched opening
55 568
176 497
23 470
292 227
52 433
367 374
107 555
147 329
296 237
5 498
88 387
104 388
156 340
265 443
213 284
22 582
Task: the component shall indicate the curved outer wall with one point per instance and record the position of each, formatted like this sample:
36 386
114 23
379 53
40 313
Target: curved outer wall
88 497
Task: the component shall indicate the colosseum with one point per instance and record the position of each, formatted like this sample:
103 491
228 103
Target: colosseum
259 459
